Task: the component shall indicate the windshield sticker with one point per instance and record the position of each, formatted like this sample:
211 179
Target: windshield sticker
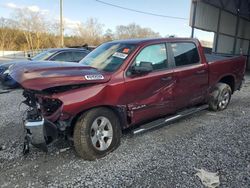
126 50
94 77
120 55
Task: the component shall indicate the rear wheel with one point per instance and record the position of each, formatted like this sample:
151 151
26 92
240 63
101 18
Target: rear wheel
97 133
220 97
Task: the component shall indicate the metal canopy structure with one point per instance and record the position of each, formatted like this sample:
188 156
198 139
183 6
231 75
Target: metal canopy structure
230 22
236 7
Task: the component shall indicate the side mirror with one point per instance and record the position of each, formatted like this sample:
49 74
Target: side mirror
143 68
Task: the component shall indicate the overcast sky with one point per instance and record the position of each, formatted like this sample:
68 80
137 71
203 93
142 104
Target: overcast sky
76 11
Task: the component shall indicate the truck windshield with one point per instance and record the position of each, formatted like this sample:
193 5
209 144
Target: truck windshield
108 57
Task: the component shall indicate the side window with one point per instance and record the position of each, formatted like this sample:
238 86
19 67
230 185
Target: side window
78 56
156 54
63 56
185 53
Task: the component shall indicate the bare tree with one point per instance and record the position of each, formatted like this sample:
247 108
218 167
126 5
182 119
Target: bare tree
108 36
30 30
8 34
91 31
33 25
134 31
3 33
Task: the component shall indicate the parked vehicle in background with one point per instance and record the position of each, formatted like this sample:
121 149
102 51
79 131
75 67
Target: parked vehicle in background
122 84
55 54
61 54
85 46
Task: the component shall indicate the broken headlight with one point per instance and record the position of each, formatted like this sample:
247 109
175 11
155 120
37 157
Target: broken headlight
49 105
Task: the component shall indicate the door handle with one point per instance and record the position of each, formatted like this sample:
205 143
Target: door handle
166 78
200 72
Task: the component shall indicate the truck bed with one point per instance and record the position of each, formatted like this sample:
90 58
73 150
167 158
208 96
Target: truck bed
228 67
216 57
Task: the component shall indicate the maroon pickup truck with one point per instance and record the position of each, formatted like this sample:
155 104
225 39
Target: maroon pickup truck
122 84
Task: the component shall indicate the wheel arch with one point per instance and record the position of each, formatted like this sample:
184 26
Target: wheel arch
228 79
120 112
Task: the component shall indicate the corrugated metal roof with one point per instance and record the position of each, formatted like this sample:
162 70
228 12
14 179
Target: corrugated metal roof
234 6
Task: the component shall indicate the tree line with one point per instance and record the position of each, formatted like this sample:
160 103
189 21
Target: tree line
28 30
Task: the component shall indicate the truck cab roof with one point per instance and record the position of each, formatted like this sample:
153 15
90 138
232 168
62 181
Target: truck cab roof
149 40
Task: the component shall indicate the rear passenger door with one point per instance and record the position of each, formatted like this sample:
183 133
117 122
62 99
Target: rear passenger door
190 74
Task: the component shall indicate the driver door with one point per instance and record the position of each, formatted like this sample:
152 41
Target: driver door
150 95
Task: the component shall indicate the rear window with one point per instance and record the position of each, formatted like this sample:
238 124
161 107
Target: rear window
185 53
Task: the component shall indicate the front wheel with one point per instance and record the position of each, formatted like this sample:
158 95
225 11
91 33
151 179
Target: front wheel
97 132
220 97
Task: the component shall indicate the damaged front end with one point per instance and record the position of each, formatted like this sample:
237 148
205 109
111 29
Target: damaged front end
42 82
39 120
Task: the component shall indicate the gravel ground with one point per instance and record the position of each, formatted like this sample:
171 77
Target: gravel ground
165 157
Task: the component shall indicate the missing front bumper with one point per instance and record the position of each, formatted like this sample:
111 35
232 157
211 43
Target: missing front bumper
39 133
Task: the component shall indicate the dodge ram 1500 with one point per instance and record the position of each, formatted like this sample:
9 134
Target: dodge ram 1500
123 84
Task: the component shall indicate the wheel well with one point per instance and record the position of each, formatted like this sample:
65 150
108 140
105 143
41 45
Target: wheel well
119 111
229 80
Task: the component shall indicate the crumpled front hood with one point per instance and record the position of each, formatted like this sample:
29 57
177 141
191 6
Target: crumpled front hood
44 75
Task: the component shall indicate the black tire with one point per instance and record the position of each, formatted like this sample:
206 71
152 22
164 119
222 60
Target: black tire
84 133
220 97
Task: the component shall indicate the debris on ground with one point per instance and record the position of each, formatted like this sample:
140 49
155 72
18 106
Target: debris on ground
64 149
3 147
209 179
4 91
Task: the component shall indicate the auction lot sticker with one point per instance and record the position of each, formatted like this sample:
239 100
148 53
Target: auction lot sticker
120 55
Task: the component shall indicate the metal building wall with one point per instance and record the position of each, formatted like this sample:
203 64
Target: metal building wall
232 31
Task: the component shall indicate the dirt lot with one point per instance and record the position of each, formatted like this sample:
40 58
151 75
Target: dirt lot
165 157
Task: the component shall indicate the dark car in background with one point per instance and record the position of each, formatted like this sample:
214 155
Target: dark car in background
55 54
61 54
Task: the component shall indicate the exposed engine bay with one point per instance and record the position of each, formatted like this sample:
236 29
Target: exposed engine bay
39 120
